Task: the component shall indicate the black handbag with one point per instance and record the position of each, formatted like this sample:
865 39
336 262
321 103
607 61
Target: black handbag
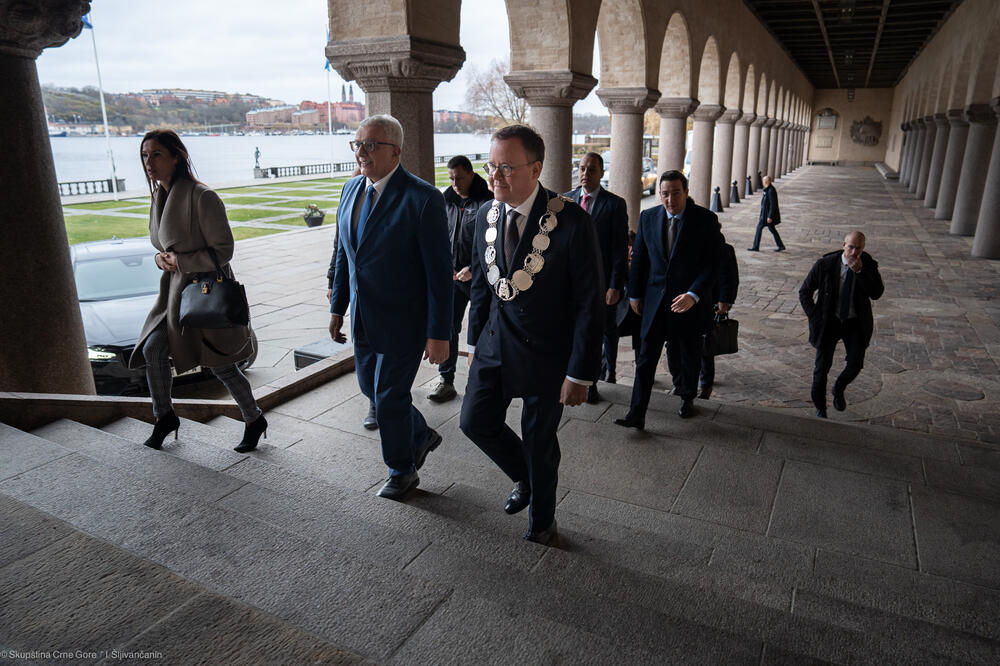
214 300
721 338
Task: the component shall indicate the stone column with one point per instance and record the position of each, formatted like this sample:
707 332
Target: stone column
767 128
551 96
781 161
674 112
722 160
937 159
753 150
982 125
627 105
42 345
399 75
772 150
741 149
987 241
701 153
958 136
793 138
930 133
918 154
904 158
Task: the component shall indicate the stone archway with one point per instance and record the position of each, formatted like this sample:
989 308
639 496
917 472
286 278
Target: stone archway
677 101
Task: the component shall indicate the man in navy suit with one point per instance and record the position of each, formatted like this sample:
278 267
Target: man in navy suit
770 217
610 216
535 320
394 267
670 285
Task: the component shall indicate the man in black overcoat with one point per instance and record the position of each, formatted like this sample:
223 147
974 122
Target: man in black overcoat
536 317
844 284
770 216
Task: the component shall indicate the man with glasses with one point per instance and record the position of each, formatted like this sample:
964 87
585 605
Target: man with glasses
394 268
535 321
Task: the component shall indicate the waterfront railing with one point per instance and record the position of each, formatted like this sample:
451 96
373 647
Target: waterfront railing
337 167
90 186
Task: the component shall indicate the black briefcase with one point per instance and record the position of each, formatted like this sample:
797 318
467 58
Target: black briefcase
721 338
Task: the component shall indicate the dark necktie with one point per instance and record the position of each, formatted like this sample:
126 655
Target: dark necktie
845 295
366 209
510 237
671 235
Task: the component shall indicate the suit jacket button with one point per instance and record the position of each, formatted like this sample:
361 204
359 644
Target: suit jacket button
491 332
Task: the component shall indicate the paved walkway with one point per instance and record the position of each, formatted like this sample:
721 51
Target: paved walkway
932 366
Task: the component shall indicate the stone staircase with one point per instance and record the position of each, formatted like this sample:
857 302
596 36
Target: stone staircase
740 536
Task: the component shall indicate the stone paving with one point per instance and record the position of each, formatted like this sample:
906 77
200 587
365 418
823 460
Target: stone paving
932 366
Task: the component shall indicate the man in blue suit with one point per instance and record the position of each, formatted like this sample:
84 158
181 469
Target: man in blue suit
670 285
610 216
536 317
394 268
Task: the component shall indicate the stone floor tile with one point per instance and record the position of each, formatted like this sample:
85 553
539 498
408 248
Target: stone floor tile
957 537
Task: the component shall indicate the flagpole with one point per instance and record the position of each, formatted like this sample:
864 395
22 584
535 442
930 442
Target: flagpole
104 115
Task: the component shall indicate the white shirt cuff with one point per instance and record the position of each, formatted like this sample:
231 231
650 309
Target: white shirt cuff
578 381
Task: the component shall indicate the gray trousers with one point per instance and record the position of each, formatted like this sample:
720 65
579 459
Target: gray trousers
156 350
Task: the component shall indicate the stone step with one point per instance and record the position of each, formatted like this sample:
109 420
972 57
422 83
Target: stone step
368 608
66 590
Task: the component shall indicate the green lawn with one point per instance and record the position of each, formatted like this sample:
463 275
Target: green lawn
324 203
250 201
240 233
246 214
103 205
83 228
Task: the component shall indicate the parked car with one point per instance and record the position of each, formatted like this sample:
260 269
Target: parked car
117 282
648 176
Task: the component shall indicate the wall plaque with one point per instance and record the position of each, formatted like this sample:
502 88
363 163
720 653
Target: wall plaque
867 132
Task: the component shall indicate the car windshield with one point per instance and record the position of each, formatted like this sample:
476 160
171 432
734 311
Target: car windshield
117 277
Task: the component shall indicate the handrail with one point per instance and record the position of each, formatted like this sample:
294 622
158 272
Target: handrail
90 186
338 167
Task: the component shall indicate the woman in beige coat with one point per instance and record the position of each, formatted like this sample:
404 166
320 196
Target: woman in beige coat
186 218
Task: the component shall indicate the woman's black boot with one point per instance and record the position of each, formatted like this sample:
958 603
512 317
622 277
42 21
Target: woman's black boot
164 426
251 434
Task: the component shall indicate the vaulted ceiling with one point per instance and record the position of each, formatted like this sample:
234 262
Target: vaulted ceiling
853 43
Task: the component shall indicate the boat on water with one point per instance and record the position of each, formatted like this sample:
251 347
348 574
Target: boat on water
55 132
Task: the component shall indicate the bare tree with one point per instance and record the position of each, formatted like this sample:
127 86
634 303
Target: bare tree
489 94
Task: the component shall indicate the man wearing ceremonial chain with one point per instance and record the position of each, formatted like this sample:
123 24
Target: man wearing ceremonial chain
535 321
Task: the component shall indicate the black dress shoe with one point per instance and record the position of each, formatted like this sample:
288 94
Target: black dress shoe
611 378
839 402
432 442
593 397
705 393
520 497
779 249
546 537
632 422
164 426
752 249
821 412
370 422
397 486
687 409
251 435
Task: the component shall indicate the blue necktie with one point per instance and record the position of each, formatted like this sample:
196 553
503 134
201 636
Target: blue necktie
845 295
366 209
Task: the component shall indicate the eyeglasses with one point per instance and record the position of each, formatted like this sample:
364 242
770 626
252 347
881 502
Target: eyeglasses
368 145
505 169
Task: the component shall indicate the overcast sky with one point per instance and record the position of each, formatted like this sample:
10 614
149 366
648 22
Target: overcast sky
268 48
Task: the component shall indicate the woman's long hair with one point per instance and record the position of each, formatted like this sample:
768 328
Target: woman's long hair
169 140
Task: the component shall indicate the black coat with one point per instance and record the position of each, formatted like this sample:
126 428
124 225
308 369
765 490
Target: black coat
610 216
462 218
727 281
824 278
554 328
769 206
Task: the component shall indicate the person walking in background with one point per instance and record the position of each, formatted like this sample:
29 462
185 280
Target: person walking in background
535 319
770 216
670 285
610 217
189 227
844 284
394 269
462 200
